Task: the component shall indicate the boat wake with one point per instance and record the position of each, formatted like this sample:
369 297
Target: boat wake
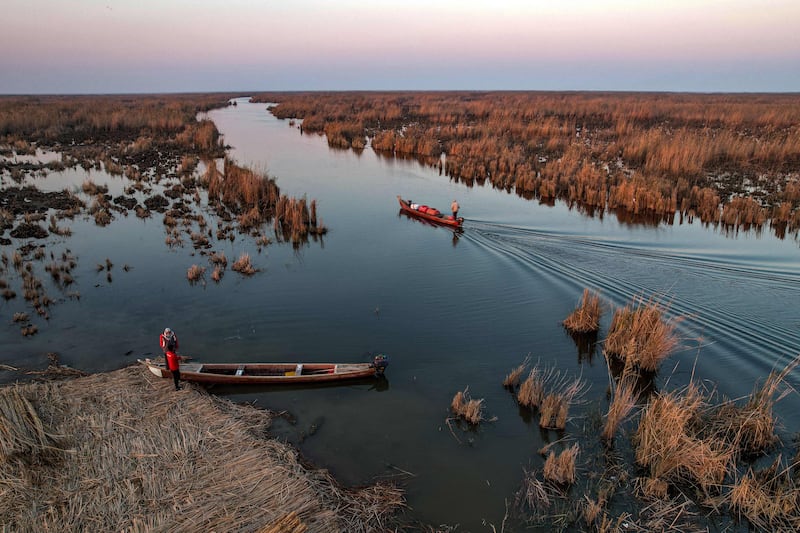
740 308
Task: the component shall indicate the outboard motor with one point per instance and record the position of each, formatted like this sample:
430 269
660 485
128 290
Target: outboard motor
379 363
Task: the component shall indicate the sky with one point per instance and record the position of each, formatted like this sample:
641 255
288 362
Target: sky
151 46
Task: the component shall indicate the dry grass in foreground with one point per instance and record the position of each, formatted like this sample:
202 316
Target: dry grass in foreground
145 458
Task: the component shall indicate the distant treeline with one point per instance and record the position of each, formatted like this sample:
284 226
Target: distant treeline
726 158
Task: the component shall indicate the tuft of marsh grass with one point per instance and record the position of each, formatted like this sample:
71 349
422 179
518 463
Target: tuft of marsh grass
512 379
768 498
560 468
586 317
467 408
243 265
531 391
195 273
750 428
670 443
623 400
640 335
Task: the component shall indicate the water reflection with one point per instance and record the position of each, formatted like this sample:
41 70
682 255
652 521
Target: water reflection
377 384
586 344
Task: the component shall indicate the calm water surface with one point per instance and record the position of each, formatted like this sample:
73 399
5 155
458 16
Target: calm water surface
451 311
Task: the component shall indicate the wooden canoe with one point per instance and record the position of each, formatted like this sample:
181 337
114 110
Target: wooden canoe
444 220
269 373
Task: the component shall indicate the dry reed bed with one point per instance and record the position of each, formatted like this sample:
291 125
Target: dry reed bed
691 451
121 452
637 153
640 336
684 442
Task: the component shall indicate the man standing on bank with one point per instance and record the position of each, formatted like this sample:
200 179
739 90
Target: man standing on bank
169 344
454 209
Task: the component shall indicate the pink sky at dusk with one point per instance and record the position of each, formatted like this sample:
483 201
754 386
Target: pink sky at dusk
98 46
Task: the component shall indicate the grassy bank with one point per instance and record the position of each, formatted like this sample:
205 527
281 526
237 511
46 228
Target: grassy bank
122 451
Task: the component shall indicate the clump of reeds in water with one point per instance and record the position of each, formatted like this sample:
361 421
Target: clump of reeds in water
549 392
294 221
243 265
586 317
195 273
640 336
467 408
512 379
554 411
750 428
623 400
531 391
560 468
672 442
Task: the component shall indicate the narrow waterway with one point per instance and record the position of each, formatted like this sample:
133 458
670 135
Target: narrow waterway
451 310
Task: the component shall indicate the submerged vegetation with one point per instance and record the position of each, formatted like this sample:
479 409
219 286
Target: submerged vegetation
724 158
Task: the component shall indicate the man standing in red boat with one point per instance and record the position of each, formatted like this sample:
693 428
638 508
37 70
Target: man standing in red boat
169 344
454 208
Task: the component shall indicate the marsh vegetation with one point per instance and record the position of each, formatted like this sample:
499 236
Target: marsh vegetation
155 144
724 159
692 452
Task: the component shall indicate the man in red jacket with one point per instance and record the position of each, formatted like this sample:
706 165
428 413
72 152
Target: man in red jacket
169 344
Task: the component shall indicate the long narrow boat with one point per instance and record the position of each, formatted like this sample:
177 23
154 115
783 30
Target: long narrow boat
270 373
432 215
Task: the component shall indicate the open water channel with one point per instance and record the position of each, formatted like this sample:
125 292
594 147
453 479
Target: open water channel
450 310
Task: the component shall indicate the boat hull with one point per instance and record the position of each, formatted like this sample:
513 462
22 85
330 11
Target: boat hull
265 373
405 207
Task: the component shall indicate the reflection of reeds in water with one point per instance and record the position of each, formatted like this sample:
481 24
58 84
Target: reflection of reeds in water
586 317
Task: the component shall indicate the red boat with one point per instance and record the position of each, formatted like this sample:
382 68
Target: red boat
429 213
